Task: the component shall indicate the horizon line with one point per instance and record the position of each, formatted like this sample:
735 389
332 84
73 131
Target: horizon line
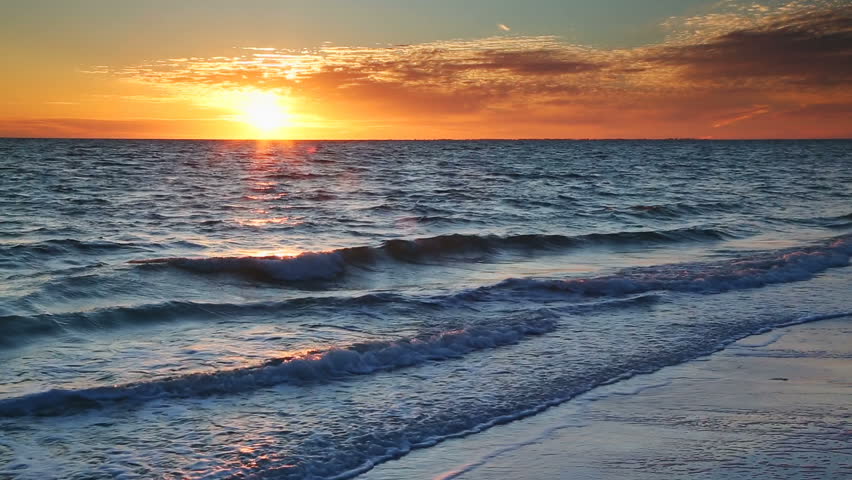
473 139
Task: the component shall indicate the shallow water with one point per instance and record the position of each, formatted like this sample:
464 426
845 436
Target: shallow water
768 406
187 309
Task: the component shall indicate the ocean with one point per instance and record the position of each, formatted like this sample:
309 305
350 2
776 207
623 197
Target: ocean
296 310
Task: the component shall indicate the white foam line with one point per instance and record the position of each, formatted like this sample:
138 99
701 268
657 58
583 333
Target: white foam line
777 336
590 397
331 364
429 442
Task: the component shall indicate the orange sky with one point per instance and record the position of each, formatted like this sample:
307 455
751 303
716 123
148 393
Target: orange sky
745 71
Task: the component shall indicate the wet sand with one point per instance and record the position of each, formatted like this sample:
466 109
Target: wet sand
771 406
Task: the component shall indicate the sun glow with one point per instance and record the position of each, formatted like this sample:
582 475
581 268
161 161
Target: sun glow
264 111
282 252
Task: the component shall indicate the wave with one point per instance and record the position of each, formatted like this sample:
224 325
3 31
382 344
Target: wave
19 327
306 267
66 245
448 244
681 209
835 222
389 452
329 265
839 222
62 246
299 368
781 266
293 175
435 220
840 226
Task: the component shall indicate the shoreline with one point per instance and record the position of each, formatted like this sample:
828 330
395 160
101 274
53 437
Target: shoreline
771 405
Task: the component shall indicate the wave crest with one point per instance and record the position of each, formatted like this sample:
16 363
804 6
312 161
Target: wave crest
782 266
307 266
299 368
329 265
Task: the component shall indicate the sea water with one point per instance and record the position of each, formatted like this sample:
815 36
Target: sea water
293 310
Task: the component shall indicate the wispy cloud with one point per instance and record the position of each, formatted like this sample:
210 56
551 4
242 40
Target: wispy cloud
751 113
747 64
504 27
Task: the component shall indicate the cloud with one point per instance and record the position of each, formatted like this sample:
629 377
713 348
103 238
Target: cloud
85 128
535 62
751 113
737 70
812 48
504 27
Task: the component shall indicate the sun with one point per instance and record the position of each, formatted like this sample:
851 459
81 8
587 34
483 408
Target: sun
263 111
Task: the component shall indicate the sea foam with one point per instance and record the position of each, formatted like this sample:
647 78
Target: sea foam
299 368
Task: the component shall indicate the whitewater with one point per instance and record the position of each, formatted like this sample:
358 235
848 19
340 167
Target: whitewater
308 310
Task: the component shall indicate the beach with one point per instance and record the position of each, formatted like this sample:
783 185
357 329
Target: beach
774 405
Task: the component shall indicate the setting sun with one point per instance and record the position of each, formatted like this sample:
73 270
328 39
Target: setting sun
264 112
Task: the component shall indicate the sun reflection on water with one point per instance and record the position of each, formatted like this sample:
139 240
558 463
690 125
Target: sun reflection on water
281 252
261 222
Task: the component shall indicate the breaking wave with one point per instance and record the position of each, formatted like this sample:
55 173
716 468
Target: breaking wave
781 266
299 368
757 270
329 265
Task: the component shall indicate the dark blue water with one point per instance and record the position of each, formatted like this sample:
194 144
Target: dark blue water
213 309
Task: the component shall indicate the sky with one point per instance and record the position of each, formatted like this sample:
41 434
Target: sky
421 69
